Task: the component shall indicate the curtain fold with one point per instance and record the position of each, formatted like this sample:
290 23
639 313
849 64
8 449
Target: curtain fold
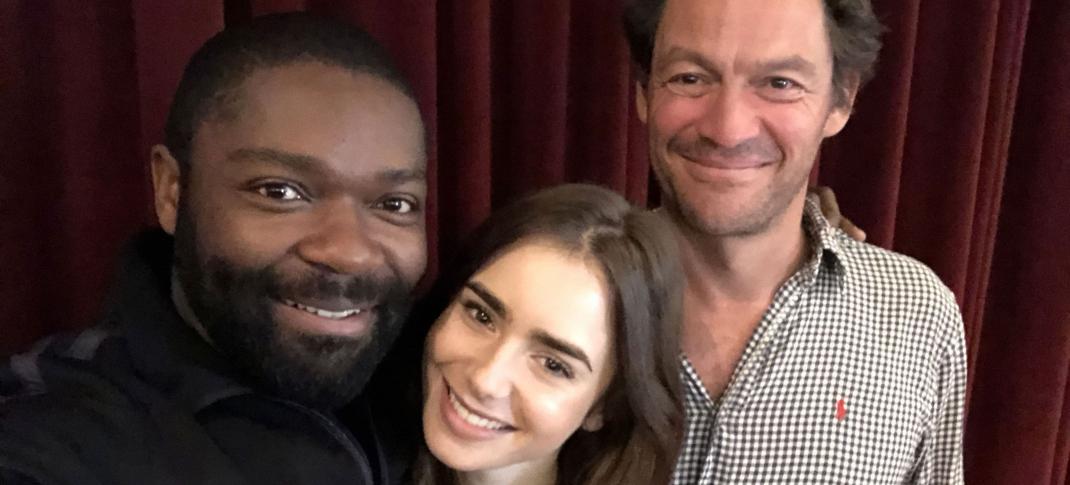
958 154
465 130
1018 430
529 99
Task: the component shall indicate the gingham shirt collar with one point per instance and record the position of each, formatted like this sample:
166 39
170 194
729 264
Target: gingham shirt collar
826 252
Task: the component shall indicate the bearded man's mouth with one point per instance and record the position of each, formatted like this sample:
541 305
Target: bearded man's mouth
346 310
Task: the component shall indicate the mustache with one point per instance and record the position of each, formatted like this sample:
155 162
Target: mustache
319 286
700 147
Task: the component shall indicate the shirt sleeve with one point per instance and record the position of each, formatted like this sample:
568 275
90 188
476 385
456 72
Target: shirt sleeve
941 454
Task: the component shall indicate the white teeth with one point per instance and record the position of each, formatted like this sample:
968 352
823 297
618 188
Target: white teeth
323 313
472 419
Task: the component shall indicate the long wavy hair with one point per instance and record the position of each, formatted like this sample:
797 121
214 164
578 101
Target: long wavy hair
637 253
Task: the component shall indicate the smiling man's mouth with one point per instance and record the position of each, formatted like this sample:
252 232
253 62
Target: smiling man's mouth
319 312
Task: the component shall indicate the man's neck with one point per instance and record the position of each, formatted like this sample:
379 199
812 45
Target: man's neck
744 269
731 282
538 472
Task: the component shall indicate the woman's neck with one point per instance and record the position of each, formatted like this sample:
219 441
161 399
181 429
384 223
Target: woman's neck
537 472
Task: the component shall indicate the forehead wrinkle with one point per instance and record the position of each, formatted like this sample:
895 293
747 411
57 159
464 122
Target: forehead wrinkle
294 161
678 53
793 63
402 176
314 166
719 28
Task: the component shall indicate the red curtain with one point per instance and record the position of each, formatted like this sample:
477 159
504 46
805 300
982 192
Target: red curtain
958 154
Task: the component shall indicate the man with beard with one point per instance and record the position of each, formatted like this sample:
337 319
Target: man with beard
809 357
292 180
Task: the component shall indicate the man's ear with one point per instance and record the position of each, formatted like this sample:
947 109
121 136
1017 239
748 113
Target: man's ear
166 185
841 111
640 100
593 422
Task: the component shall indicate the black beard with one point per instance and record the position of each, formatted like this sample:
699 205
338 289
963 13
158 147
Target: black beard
234 306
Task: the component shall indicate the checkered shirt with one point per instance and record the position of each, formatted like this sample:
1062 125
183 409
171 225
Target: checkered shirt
855 375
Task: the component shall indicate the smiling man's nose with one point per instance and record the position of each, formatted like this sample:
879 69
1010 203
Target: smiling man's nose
728 120
344 242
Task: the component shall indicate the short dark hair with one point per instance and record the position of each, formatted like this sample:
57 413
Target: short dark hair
208 84
642 409
853 29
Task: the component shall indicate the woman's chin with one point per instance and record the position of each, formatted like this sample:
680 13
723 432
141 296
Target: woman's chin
454 457
446 448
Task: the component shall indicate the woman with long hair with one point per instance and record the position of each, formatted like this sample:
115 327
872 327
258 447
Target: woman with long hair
554 354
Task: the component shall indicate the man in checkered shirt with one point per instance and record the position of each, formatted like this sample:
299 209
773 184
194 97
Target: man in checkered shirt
808 357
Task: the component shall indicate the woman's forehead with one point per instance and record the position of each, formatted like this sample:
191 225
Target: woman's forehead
545 287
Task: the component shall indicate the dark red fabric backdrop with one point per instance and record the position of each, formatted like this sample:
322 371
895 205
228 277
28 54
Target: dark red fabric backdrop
958 154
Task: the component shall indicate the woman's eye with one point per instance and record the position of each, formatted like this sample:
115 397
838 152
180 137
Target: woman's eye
477 313
557 368
280 191
398 205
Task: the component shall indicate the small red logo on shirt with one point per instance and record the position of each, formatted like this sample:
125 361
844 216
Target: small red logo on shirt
841 410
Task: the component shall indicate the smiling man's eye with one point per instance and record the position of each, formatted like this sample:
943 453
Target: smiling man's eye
398 205
685 79
280 191
780 89
687 84
782 83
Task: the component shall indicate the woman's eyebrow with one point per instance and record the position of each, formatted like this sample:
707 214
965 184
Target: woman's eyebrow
544 338
492 301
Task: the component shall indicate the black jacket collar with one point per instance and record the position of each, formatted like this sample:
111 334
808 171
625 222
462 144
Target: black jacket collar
163 348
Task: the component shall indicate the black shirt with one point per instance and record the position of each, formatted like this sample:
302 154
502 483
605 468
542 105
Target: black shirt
142 398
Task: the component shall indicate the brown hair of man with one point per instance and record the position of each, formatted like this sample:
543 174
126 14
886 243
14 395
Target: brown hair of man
853 30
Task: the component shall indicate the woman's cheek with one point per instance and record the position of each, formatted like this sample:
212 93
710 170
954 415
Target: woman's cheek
559 410
444 337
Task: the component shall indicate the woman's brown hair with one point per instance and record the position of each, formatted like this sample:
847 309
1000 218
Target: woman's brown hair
642 410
